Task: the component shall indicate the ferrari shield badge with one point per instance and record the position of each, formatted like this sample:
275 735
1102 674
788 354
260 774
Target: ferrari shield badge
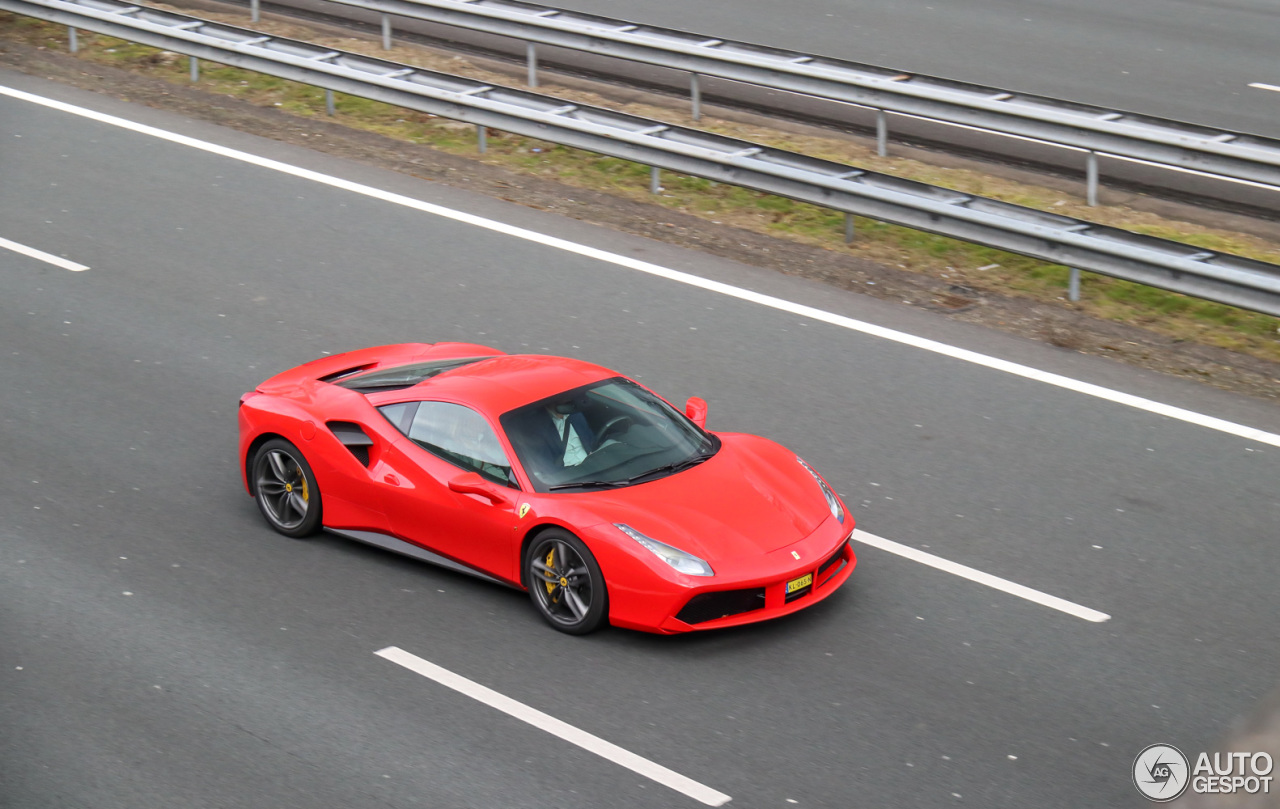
524 509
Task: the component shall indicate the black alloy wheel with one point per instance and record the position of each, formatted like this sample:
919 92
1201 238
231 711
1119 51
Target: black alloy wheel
286 489
565 582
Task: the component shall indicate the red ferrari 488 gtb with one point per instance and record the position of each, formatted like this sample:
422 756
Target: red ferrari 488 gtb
548 474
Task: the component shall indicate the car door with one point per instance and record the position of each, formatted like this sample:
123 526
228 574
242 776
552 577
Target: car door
353 490
442 443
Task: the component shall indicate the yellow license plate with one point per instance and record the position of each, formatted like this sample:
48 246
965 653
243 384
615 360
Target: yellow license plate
800 583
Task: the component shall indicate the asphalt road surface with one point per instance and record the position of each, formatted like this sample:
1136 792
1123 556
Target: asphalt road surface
1190 60
161 647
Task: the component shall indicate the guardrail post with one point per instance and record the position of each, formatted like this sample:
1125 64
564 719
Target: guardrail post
254 10
72 42
882 134
386 32
482 143
195 69
531 56
1073 286
328 102
848 228
1091 178
695 96
654 177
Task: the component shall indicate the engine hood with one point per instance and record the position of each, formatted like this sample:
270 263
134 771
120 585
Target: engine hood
752 497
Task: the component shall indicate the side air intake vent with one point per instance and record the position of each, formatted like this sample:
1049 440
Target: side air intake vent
353 437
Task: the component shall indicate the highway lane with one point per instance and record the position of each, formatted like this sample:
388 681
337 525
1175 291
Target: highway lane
1190 60
207 275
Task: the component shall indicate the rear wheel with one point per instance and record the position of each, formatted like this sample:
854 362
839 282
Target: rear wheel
565 582
286 490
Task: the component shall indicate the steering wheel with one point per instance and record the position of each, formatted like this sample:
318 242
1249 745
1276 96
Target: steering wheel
613 428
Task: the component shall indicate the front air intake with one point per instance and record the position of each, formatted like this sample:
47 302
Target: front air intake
709 606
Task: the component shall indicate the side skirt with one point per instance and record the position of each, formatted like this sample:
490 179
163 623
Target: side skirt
399 546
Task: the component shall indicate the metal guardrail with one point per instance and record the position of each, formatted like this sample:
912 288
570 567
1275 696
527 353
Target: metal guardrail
1225 278
1232 155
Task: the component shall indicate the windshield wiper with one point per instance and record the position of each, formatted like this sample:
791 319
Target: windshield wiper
677 466
589 484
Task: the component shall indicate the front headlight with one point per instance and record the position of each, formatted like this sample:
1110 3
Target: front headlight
682 561
833 502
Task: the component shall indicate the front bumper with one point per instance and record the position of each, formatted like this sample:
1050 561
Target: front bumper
700 612
827 555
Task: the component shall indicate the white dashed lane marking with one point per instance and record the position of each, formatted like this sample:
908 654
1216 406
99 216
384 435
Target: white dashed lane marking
542 721
40 255
974 575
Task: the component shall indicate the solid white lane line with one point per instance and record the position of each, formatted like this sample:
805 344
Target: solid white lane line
1003 585
1262 86
31 252
542 721
994 363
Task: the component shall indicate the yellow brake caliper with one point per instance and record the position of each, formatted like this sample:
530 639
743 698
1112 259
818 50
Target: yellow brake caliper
306 497
551 585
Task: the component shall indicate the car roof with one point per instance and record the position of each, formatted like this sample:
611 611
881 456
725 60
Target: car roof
498 384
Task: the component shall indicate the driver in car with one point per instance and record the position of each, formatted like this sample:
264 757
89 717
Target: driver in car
572 433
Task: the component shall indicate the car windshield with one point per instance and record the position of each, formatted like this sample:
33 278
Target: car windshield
608 434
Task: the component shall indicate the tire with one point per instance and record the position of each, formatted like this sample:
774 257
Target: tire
571 597
285 488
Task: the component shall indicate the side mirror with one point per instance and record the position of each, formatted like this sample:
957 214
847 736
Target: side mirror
696 410
472 483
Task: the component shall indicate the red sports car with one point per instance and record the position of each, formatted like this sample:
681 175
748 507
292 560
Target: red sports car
548 474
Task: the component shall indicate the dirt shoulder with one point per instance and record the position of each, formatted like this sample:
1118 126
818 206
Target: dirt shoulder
1059 325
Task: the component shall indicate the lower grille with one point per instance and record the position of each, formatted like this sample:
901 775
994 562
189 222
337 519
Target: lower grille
834 558
709 606
801 593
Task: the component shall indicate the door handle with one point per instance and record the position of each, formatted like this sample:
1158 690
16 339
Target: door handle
391 480
471 483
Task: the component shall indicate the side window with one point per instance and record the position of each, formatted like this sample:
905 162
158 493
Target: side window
399 414
462 437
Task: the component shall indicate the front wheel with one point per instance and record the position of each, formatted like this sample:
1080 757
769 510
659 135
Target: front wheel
286 489
565 583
